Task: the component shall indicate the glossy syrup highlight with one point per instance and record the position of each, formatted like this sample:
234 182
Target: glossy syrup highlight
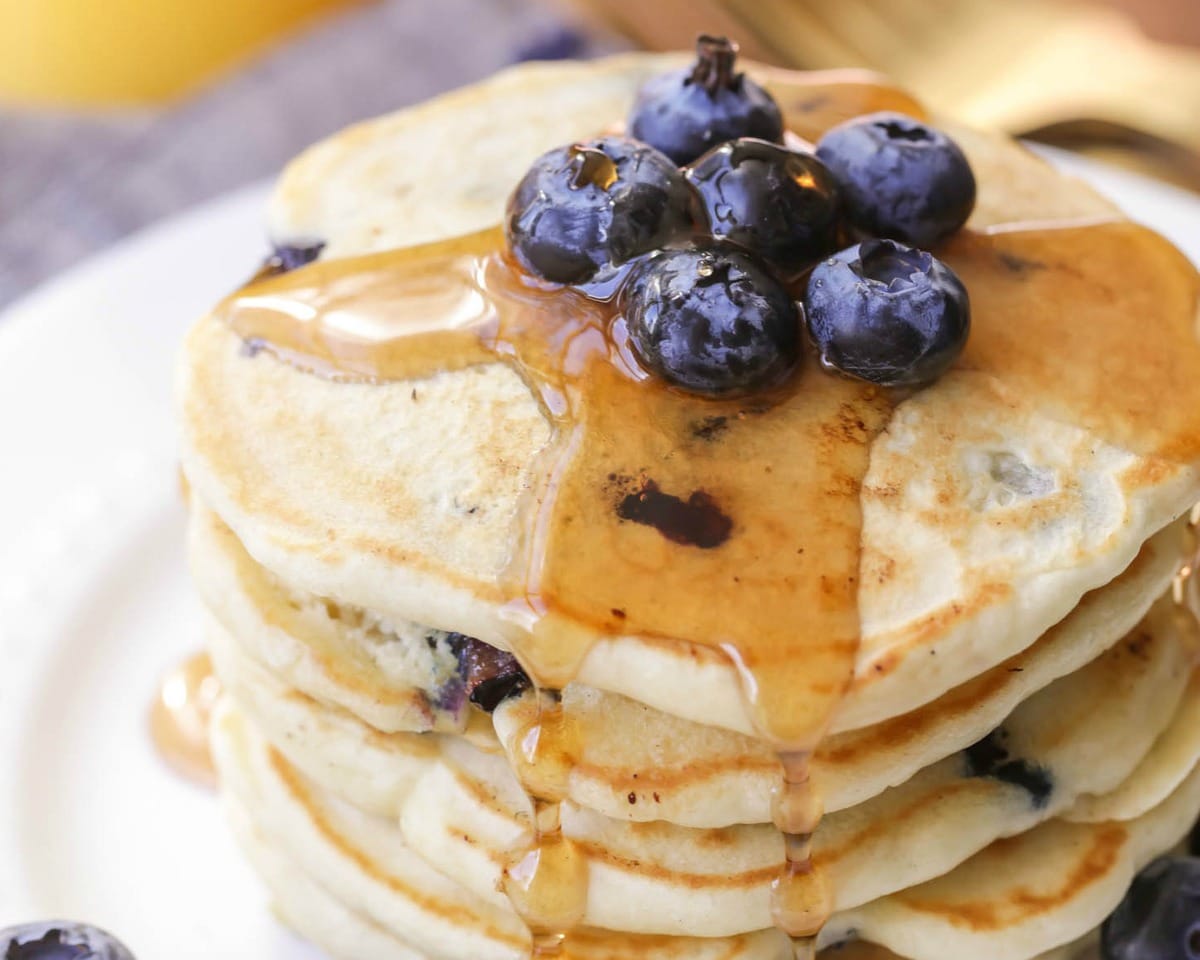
548 884
179 718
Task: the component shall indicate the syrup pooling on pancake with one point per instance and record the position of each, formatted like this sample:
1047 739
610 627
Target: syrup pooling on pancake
315 318
731 524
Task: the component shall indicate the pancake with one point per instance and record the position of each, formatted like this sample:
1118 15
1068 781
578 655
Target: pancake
1052 883
362 857
318 915
678 771
702 776
396 468
670 765
1157 776
396 675
1048 886
1084 734
357 484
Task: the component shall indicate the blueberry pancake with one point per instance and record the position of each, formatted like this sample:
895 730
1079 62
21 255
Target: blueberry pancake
647 508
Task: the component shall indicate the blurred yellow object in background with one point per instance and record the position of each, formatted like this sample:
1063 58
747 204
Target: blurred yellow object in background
77 52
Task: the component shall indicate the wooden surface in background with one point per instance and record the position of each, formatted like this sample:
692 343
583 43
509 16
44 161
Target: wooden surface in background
1080 75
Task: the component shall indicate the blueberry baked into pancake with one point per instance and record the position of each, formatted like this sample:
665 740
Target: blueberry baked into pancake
672 508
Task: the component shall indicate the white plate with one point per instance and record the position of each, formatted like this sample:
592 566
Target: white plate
94 601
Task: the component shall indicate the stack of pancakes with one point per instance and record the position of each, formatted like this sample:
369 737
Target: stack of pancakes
1021 733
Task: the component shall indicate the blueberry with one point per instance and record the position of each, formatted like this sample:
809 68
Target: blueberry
686 112
593 205
60 940
899 177
292 256
490 676
712 321
887 313
1159 919
775 202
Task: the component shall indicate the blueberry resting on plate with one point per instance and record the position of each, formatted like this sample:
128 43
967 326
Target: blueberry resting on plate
1159 919
585 207
887 313
772 201
60 940
686 112
712 321
900 178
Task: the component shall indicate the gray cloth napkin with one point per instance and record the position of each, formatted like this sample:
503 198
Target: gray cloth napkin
72 183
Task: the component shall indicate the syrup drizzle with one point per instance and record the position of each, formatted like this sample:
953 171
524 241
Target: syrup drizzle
548 884
1185 588
777 589
179 718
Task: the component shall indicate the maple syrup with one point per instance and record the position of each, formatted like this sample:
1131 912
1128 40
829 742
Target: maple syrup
1185 588
179 718
548 884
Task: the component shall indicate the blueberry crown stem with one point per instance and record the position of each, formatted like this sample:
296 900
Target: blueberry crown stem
715 59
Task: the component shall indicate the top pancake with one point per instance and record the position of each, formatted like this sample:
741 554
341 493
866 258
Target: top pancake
994 500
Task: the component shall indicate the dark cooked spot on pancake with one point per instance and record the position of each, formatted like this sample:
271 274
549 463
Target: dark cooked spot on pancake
1018 265
847 427
1137 645
490 676
709 428
697 521
990 757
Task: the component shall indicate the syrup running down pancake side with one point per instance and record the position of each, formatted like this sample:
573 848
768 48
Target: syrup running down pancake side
731 524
